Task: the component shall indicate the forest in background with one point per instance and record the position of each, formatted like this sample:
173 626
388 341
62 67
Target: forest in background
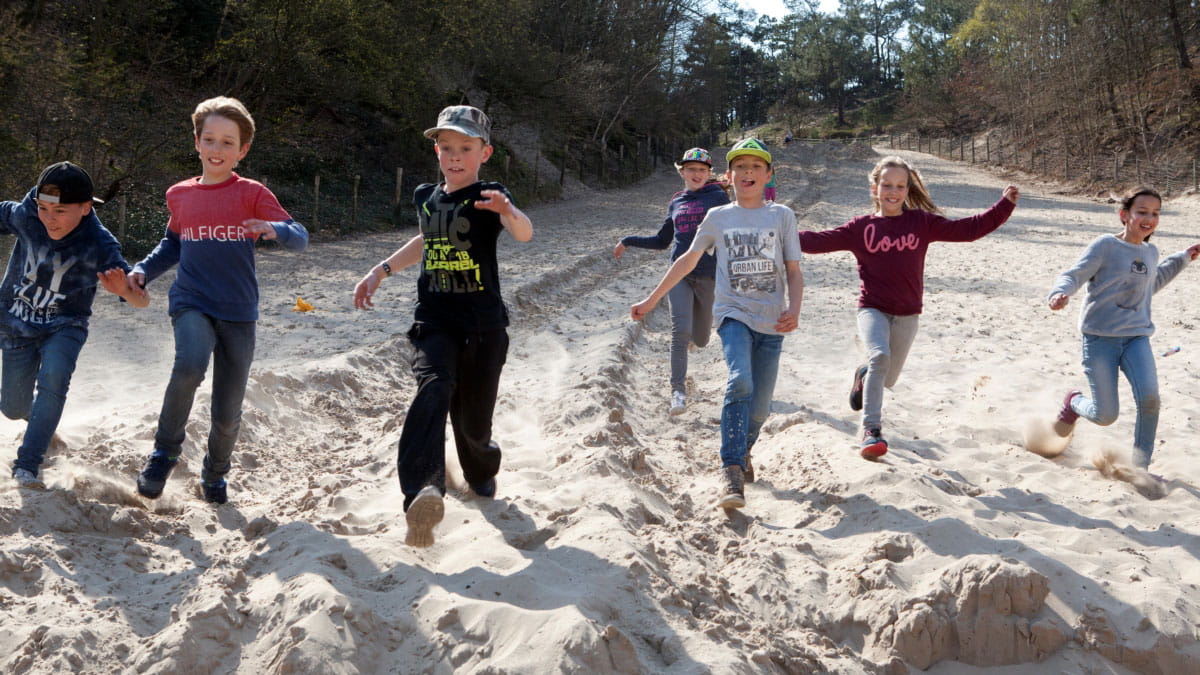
344 88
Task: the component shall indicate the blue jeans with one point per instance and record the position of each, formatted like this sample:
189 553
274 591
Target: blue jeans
48 361
231 344
753 360
1101 358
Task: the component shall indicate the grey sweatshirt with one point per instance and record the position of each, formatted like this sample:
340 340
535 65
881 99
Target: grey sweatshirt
1121 278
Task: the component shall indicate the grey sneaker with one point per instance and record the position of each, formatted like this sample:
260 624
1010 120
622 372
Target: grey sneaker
28 479
425 511
734 495
678 403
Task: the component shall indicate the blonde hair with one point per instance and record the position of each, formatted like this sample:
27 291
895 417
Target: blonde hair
918 196
229 108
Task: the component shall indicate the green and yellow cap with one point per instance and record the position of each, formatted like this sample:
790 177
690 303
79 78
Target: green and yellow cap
749 146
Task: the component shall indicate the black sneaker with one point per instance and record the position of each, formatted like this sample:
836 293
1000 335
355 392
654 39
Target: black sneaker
856 389
214 491
153 479
485 489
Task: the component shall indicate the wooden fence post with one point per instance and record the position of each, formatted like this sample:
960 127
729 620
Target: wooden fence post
399 182
316 201
121 219
562 171
354 203
536 156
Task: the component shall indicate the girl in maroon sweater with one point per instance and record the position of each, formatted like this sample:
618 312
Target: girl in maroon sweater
890 246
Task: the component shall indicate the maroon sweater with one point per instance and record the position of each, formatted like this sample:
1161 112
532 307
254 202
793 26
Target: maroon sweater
891 251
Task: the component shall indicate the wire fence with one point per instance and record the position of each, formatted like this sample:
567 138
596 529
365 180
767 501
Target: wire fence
1169 175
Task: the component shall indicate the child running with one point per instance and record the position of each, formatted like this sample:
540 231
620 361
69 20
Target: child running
216 220
890 246
459 335
60 253
692 298
1122 273
758 261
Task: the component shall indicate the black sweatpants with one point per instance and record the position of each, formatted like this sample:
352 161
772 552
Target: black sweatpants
458 373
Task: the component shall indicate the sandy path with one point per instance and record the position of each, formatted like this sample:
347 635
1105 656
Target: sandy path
603 551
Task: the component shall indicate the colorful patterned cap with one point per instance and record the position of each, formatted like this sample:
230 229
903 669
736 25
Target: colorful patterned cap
696 155
750 146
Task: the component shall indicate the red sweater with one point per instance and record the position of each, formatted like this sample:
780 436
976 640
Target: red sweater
891 251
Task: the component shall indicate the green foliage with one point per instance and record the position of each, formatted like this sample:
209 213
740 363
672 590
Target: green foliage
344 88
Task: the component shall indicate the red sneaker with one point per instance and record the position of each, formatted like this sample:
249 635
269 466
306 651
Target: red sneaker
1067 414
873 445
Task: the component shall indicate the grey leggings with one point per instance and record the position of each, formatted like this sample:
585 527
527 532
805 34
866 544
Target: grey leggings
887 338
691 321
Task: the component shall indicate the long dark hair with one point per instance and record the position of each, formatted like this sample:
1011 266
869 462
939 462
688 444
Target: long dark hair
1133 194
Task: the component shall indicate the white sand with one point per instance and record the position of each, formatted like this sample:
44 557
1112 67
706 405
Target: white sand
960 552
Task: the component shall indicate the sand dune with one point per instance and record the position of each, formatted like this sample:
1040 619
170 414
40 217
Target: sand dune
603 552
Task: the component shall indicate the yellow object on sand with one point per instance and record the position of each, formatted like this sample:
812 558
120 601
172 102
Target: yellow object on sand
302 306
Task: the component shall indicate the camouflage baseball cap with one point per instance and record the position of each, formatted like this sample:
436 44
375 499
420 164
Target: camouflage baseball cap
464 119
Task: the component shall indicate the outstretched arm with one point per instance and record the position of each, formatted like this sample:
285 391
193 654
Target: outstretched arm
513 219
407 255
290 234
977 226
678 270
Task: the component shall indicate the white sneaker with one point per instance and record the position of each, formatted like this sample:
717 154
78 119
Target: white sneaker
27 479
425 511
678 403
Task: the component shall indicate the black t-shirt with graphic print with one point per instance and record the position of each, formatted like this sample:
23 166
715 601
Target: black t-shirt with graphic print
459 286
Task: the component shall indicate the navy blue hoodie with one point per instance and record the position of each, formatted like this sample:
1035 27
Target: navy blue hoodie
50 284
684 215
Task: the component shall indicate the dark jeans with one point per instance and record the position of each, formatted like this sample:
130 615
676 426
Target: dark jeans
49 362
231 345
458 374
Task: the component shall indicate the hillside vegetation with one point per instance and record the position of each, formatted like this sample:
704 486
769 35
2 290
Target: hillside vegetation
594 89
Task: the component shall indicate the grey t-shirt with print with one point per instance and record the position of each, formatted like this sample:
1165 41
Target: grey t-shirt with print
751 247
